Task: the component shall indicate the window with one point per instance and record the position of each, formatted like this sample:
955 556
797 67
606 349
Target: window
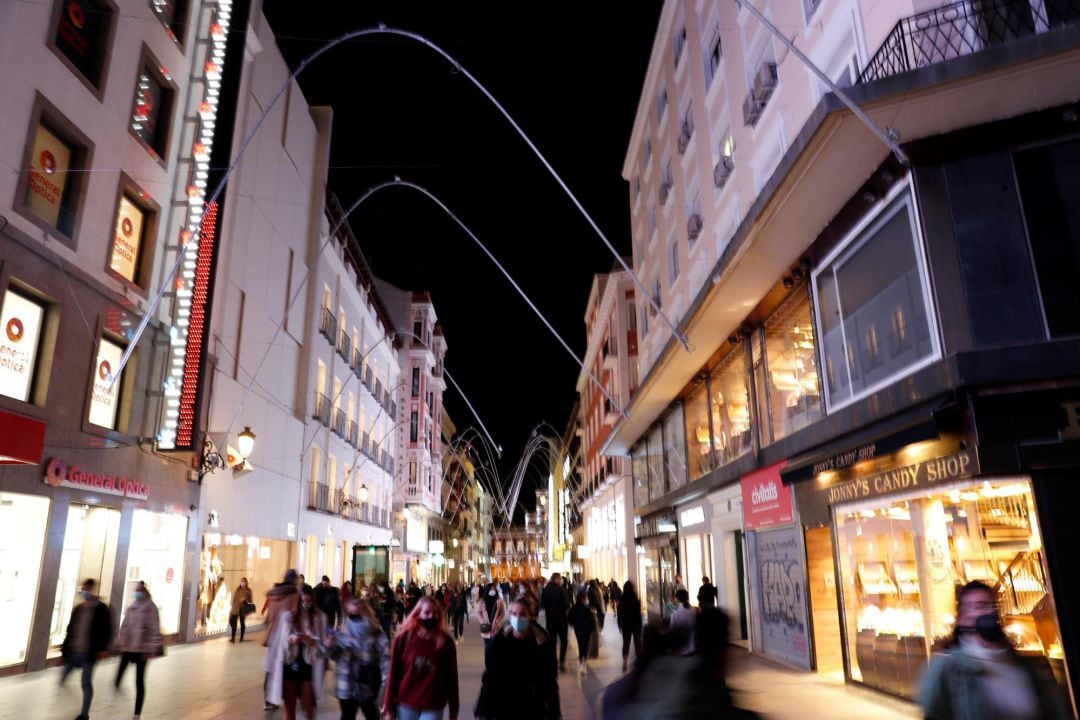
417 330
661 105
172 14
730 405
656 464
22 320
648 152
873 310
152 110
413 426
412 472
415 390
52 188
656 293
669 175
694 222
716 54
791 375
674 450
673 261
699 456
105 398
129 255
631 316
636 186
678 45
82 37
652 225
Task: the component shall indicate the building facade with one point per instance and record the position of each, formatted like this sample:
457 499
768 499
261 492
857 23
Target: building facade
100 106
877 404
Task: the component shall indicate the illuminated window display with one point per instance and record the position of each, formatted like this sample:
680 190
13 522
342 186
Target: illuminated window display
21 319
156 556
791 380
22 540
656 464
730 407
674 450
699 456
91 536
223 561
640 468
903 557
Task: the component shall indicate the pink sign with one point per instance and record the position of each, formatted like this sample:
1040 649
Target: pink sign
766 501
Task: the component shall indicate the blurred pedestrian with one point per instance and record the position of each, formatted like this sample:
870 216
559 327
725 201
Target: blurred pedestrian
360 651
556 607
520 679
138 640
423 675
282 598
615 594
979 675
683 622
629 619
583 619
328 600
301 584
491 612
596 601
241 600
87 641
295 658
459 610
706 596
346 592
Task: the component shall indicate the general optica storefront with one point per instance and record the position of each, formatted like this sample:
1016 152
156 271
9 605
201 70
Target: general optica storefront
907 529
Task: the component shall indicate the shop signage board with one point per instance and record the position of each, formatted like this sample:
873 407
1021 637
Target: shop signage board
766 500
59 474
20 328
779 582
48 176
916 475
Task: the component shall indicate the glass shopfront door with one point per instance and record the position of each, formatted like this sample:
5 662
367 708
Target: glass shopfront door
156 557
22 538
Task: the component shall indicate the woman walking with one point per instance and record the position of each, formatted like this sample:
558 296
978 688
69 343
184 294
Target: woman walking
295 660
459 609
520 674
583 621
139 640
240 601
629 619
360 651
423 677
491 612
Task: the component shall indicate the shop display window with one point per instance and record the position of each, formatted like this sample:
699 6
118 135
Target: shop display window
22 540
674 450
223 561
902 559
699 455
656 464
91 536
873 305
790 377
730 407
156 557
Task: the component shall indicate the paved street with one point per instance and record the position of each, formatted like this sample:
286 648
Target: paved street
214 680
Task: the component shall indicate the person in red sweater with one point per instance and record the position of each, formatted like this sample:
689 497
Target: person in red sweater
423 678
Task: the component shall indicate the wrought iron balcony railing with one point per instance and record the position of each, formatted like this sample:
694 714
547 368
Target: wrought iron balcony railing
328 325
322 409
962 28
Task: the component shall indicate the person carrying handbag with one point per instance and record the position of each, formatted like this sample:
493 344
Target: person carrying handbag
242 606
360 650
139 640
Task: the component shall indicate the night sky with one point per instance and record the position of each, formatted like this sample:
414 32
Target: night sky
571 75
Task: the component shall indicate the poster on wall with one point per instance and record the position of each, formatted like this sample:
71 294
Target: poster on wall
21 322
779 582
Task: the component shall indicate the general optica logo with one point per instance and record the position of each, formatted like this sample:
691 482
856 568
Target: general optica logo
126 227
76 14
104 370
47 162
56 472
15 330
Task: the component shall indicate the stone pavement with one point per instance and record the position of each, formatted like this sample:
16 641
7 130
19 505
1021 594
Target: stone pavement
214 680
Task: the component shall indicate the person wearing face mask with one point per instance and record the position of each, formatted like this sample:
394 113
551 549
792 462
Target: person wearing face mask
360 653
242 597
979 675
520 675
87 641
491 612
139 640
295 658
423 677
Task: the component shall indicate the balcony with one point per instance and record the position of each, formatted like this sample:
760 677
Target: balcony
344 346
357 363
353 434
377 390
322 409
962 28
611 415
365 444
319 496
610 354
340 423
328 326
368 378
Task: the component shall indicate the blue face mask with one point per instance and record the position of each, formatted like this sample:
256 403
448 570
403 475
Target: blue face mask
139 595
519 623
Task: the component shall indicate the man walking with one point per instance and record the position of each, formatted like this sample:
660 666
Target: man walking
556 606
88 636
706 596
328 599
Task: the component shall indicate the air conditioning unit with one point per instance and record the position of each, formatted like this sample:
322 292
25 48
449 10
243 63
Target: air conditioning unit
665 192
684 137
751 110
694 226
765 82
722 171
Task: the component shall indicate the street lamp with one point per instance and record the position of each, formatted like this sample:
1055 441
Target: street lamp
245 442
362 494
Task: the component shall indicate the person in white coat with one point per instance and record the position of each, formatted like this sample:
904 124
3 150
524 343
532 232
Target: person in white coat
139 640
295 658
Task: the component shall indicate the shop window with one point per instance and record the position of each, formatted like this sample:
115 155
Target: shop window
91 538
52 187
82 37
789 382
730 402
699 455
674 450
22 540
132 250
152 111
172 14
902 559
656 464
413 426
223 562
22 320
639 466
156 557
873 305
106 395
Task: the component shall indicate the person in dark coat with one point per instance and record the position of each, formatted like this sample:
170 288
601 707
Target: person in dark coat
706 596
629 618
583 621
614 595
89 634
328 599
554 602
596 601
520 678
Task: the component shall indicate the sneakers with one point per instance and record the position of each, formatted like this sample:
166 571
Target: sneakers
583 668
269 706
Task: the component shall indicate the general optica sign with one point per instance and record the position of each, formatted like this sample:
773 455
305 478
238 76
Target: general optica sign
59 474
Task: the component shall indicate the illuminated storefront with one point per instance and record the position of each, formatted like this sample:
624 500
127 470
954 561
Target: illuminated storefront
223 561
22 541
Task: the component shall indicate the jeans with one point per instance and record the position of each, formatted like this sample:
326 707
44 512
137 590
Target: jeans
84 660
140 676
243 625
404 712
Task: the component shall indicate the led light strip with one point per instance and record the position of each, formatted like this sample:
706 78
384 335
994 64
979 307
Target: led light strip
181 384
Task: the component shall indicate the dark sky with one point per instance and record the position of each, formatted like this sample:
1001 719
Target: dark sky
571 75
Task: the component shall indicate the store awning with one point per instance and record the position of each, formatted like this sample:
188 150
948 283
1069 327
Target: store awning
21 439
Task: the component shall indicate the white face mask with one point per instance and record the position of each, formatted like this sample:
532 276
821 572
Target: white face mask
491 593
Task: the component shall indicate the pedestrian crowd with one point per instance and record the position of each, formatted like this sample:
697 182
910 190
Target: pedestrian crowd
394 651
